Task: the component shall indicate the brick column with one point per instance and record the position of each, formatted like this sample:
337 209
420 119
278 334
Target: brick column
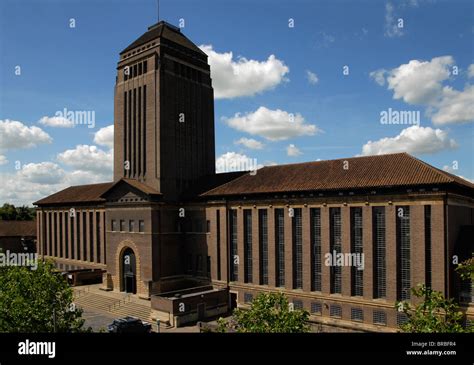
288 234
103 226
437 248
39 245
54 233
271 248
417 246
391 253
255 248
240 244
367 250
346 248
306 249
325 247
94 234
70 228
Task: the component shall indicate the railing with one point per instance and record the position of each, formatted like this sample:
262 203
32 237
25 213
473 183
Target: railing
120 302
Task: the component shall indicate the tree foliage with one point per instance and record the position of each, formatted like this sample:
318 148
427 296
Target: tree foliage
466 269
31 299
434 314
269 313
8 212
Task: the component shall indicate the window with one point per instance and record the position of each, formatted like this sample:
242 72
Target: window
218 239
403 255
401 318
84 235
357 314
297 304
145 66
141 226
91 236
140 70
234 270
248 246
208 226
60 224
66 230
316 308
335 247
315 221
380 317
248 297
97 236
428 246
280 247
357 286
335 311
131 225
297 250
263 245
208 266
122 225
378 226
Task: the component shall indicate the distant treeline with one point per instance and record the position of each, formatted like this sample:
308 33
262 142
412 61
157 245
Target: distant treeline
8 212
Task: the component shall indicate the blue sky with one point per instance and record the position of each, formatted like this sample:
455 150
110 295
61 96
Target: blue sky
74 68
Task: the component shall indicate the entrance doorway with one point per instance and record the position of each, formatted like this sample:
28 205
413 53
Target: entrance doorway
129 272
232 301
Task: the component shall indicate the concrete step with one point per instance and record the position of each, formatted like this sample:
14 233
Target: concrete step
96 301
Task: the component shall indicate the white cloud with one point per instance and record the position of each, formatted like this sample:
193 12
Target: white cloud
58 122
243 77
391 22
105 136
42 173
414 140
250 143
470 70
16 135
454 172
455 106
232 161
3 160
293 151
88 158
419 82
312 77
274 125
379 76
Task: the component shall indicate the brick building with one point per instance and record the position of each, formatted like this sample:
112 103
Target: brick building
195 242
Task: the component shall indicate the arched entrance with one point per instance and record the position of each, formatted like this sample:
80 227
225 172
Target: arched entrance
129 271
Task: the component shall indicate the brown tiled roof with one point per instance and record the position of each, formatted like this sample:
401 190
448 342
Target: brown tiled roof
166 31
136 184
77 194
17 228
394 170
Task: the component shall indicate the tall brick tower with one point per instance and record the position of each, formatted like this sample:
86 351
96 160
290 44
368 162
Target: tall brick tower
164 112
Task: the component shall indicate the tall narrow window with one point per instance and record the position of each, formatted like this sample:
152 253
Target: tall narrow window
73 241
50 234
144 127
218 242
335 247
233 259
66 234
60 224
98 235
78 235
280 246
428 246
263 245
248 245
55 236
125 121
297 249
315 221
84 235
403 256
378 225
357 287
91 236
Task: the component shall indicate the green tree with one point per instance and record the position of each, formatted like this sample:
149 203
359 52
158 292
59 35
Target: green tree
8 212
37 301
466 269
434 314
269 313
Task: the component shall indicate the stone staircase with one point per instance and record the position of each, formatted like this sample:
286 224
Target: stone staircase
113 304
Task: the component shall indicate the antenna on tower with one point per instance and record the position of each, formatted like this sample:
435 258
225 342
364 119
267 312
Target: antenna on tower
158 10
